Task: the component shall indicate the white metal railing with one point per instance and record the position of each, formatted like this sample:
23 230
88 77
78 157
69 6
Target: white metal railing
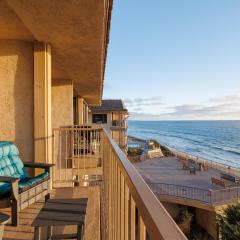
213 197
208 163
77 153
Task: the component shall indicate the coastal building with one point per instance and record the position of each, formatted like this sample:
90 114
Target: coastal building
52 63
113 115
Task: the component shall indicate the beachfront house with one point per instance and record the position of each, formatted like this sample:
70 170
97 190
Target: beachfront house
113 115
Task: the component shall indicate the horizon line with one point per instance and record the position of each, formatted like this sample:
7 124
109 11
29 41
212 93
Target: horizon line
182 120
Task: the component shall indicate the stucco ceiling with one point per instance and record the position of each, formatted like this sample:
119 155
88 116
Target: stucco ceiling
77 31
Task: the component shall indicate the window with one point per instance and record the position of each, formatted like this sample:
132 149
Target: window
99 118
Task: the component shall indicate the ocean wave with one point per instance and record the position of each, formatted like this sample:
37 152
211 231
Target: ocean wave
165 134
226 149
200 141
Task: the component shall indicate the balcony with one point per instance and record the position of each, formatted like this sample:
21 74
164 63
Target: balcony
119 124
121 205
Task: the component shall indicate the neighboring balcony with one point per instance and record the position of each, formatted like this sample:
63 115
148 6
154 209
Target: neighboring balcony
119 124
121 205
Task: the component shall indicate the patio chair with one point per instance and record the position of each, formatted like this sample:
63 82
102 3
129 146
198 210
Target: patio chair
17 188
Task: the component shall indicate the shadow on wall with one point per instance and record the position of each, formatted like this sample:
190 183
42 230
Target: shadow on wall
16 95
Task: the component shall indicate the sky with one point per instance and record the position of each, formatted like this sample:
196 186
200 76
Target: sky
175 59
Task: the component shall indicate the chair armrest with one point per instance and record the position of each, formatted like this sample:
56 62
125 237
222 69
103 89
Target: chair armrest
8 179
38 165
14 185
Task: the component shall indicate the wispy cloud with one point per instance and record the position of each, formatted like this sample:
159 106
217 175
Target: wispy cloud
233 98
140 102
226 107
138 109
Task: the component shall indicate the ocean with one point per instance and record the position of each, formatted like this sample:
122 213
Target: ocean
213 140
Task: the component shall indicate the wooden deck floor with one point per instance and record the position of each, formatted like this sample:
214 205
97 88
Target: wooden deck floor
92 225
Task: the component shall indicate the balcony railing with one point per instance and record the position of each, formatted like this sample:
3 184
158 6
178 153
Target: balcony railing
77 154
213 197
208 163
119 124
130 210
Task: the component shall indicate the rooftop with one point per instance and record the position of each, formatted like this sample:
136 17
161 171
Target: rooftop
110 105
170 170
167 177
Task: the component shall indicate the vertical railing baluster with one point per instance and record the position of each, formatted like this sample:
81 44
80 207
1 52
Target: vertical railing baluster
60 155
54 156
115 198
110 208
72 153
84 149
78 153
66 154
141 228
132 225
122 210
126 211
119 203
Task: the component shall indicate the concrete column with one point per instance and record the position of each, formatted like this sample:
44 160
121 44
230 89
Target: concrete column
42 103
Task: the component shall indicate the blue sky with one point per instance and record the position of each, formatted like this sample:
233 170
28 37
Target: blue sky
175 59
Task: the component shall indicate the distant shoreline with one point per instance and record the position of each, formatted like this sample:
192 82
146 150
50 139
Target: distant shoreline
229 120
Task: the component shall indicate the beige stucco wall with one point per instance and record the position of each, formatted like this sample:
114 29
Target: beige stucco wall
62 103
207 220
16 95
117 116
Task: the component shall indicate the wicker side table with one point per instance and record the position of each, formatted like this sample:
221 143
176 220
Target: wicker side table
4 219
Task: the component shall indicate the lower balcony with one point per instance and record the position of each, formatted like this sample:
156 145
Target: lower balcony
89 164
